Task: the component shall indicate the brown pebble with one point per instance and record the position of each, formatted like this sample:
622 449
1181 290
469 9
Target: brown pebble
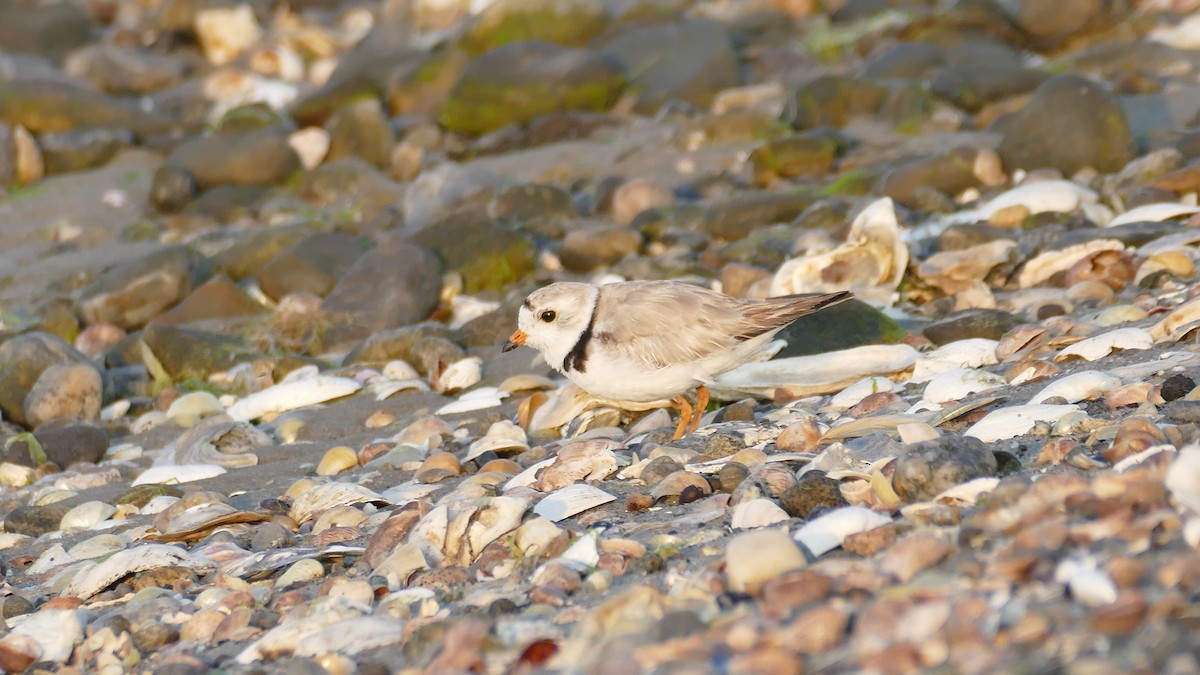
637 501
915 553
817 630
870 542
1120 617
783 594
801 436
731 475
62 602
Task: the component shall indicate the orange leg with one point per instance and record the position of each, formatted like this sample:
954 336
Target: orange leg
701 404
685 415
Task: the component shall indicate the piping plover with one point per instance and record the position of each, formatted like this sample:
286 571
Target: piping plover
642 341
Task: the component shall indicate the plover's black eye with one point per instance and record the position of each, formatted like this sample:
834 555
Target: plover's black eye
549 315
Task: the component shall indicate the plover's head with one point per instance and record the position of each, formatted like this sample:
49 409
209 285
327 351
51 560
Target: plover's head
552 319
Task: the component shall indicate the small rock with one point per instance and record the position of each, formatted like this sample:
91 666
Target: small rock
487 254
588 248
635 196
972 323
913 554
131 294
793 157
1176 386
361 129
928 468
753 558
1069 124
870 542
848 324
35 520
69 391
812 491
313 265
23 359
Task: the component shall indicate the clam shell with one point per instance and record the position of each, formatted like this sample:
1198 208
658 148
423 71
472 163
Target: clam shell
1153 213
291 395
295 631
580 460
460 375
321 497
501 437
1183 477
97 577
757 513
189 408
179 473
1099 346
54 631
1017 420
1049 263
1039 197
352 636
480 398
827 532
85 515
814 375
969 353
855 393
955 385
571 500
1179 321
1082 386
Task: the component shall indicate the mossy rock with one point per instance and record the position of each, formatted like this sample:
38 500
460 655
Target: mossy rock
486 254
834 100
522 81
571 23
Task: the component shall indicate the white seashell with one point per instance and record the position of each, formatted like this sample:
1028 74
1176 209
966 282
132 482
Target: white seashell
96 578
1180 320
191 407
1016 420
1088 584
1085 385
1184 35
15 475
501 436
874 245
408 492
301 571
528 476
571 500
87 514
385 389
352 636
158 505
1183 478
216 439
12 539
465 308
1154 213
400 564
968 492
178 473
429 534
326 496
969 353
1166 362
124 451
400 370
291 395
1048 263
460 375
829 531
956 385
1139 457
1051 195
226 32
758 512
500 516
816 374
583 554
295 630
311 145
55 556
915 432
855 393
97 546
55 631
115 410
535 535
148 421
481 398
1191 531
1099 346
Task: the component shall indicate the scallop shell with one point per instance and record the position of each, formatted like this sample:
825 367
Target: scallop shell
571 500
1082 386
1099 346
291 395
97 577
871 262
317 499
1016 420
827 532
